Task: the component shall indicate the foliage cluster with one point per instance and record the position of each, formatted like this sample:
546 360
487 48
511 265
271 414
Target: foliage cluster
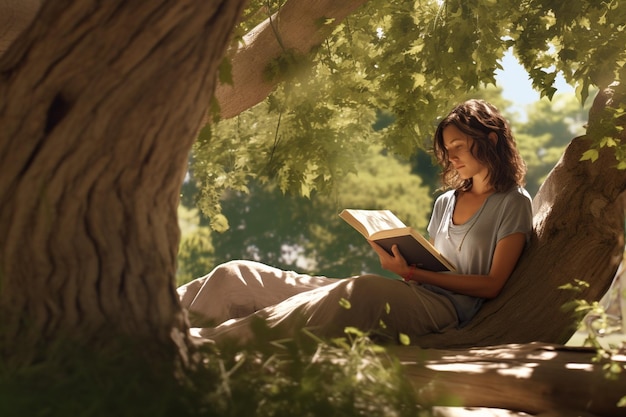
302 377
406 60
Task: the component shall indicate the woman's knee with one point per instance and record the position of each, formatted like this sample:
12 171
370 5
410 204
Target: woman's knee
372 286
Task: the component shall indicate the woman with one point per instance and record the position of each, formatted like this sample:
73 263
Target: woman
481 225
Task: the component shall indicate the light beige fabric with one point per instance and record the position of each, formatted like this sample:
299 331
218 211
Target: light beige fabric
234 294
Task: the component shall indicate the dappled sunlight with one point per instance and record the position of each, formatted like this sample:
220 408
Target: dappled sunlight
579 366
517 361
536 351
524 371
545 355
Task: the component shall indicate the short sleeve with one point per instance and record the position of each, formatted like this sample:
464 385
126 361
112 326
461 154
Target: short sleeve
439 209
517 216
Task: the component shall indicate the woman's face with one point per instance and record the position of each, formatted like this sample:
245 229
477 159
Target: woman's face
458 146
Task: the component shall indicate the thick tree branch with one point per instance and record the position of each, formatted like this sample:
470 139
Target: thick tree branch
534 378
296 27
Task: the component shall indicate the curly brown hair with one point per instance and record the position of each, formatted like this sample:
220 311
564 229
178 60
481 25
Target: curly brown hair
477 119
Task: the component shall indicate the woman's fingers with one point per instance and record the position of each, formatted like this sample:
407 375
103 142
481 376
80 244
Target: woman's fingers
393 262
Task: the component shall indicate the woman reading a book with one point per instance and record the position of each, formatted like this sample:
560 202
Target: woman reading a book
481 225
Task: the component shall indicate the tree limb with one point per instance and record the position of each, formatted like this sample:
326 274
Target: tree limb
296 26
534 378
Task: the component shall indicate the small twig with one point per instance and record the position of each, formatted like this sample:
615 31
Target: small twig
274 28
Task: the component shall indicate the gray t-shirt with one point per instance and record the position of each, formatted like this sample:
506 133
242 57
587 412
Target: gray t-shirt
470 246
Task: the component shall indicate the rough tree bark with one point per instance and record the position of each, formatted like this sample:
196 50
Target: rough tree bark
15 16
101 104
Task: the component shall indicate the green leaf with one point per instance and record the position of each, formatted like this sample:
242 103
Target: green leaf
345 303
418 80
591 154
608 142
350 330
404 339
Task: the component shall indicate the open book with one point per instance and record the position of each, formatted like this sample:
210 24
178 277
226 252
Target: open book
384 228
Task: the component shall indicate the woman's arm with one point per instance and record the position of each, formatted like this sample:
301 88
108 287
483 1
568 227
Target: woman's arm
507 252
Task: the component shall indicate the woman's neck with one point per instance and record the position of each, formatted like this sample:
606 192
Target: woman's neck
480 188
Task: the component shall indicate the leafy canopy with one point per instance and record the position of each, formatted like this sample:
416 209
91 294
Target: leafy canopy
409 61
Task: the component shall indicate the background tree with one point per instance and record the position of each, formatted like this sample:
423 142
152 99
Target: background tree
307 234
546 133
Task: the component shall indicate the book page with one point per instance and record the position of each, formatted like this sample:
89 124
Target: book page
377 220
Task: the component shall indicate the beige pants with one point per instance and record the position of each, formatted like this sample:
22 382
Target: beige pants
225 302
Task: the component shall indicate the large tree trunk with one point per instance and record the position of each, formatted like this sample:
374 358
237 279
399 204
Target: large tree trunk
101 104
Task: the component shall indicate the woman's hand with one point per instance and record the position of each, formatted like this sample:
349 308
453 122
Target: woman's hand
394 263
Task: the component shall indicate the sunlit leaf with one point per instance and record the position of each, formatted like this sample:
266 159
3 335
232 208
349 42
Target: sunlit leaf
590 155
345 303
608 142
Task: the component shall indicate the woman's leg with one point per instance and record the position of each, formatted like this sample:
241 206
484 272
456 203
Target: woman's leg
371 303
239 288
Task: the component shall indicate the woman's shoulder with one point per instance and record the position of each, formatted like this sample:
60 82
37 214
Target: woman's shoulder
516 196
448 197
518 193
